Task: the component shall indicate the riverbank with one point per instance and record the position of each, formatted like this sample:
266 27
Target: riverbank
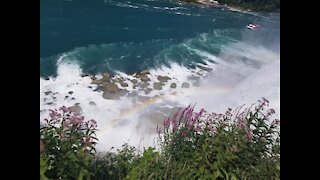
216 4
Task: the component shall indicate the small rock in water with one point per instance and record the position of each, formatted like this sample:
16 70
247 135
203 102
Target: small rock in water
147 90
143 84
110 87
173 85
185 85
92 103
145 72
157 86
144 78
47 93
134 81
123 84
163 78
84 75
93 78
205 68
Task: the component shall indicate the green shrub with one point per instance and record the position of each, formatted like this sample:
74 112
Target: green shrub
237 144
113 165
66 145
240 144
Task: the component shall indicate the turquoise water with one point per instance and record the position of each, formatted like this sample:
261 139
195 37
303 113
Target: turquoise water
130 36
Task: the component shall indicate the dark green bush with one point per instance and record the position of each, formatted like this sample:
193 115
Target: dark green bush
66 145
239 144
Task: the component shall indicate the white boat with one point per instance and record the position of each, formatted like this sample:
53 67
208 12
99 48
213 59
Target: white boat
252 26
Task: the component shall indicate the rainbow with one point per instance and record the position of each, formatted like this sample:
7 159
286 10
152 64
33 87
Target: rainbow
149 101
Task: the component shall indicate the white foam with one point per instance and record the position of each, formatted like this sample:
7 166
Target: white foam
232 83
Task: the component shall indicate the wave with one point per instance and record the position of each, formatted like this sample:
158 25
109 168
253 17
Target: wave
239 73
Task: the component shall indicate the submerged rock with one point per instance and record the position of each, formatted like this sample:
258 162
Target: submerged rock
92 103
143 98
114 95
185 85
147 90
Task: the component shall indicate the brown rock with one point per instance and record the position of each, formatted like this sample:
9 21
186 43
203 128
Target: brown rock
106 75
110 87
118 79
143 84
113 95
144 78
163 78
145 72
157 85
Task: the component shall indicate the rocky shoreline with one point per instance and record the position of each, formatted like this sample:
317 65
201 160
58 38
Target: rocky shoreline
215 4
141 86
116 86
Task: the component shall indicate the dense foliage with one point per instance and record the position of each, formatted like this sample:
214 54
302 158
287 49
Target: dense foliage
66 145
239 144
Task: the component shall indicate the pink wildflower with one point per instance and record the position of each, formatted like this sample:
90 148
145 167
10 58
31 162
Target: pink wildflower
158 130
166 123
275 122
64 109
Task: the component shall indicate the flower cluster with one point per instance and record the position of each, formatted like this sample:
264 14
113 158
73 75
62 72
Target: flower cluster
68 127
